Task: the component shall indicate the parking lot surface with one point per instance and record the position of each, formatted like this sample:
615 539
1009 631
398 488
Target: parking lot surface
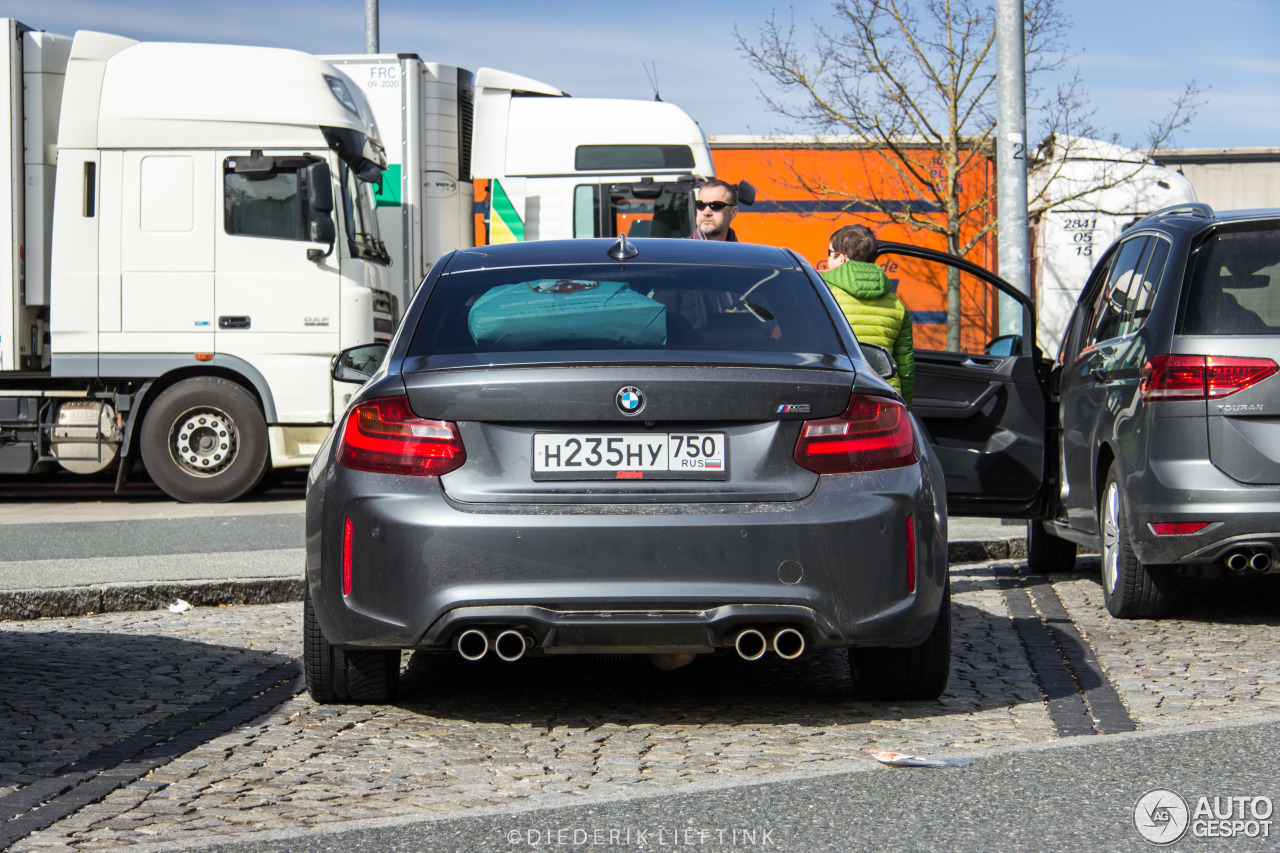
149 727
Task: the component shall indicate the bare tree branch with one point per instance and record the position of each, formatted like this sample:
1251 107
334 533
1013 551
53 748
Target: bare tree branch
913 81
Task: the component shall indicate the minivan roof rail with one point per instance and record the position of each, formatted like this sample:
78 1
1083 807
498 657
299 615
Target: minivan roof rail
1195 208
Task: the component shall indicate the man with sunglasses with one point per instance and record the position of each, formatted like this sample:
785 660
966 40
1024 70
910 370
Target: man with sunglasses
716 207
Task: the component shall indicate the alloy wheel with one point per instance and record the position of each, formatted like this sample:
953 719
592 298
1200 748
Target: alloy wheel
1111 537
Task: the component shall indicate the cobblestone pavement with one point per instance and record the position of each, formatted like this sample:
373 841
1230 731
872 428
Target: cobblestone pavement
1213 658
547 731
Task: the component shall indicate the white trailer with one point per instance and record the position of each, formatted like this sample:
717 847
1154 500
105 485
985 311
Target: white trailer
1095 190
558 167
192 240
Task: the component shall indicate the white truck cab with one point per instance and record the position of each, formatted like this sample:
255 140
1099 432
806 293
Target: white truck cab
199 240
557 167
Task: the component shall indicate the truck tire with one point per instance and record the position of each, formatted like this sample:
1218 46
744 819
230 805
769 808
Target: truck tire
1047 553
1130 589
919 673
343 676
204 440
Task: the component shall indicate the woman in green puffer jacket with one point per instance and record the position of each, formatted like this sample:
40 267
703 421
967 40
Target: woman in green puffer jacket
872 309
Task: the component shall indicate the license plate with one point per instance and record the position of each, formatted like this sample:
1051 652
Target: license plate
659 456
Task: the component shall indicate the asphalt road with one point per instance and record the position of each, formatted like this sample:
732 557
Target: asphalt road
1076 794
65 534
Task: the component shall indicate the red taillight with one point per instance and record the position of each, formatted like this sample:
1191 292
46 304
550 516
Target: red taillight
1177 528
385 436
873 433
346 558
1201 377
911 554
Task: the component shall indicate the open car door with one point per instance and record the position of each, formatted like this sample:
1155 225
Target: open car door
980 381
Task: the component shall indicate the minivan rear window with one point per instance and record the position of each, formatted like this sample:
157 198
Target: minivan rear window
1234 287
620 307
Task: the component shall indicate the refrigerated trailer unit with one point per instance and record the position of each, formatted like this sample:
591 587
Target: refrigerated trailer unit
191 240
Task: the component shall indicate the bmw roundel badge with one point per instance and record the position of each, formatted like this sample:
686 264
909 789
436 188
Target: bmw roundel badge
630 401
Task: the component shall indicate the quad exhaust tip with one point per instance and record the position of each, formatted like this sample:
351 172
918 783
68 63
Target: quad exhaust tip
511 645
472 644
750 644
788 643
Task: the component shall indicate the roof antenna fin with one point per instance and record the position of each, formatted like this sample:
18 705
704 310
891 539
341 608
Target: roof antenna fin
622 250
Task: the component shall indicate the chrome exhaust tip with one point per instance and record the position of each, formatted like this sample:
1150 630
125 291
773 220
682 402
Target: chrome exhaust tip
511 645
472 644
1238 561
788 643
1260 562
750 644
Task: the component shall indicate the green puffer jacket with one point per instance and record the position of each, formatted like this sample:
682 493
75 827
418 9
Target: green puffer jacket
876 315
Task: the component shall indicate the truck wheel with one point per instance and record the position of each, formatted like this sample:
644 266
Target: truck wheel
204 440
1047 553
1130 589
338 675
920 673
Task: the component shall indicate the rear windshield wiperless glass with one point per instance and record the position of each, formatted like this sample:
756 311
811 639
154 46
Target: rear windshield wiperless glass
616 307
1235 283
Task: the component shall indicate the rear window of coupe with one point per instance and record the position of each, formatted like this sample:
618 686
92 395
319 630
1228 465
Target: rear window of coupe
620 307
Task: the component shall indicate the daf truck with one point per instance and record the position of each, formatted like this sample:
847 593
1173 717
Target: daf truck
544 165
192 237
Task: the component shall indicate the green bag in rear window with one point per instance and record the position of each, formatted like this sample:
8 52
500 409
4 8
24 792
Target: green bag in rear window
545 312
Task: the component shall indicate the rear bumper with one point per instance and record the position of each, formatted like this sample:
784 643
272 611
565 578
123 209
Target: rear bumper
636 631
1239 516
634 578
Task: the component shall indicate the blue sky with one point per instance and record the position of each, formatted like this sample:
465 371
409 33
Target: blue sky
1133 56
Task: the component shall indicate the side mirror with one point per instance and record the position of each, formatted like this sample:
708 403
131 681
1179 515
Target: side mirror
880 359
1004 345
746 193
357 364
320 189
321 231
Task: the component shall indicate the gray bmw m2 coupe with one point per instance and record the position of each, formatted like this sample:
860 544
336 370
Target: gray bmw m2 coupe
664 447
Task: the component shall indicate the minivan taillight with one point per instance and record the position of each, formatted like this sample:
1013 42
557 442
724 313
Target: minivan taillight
386 437
1201 377
873 433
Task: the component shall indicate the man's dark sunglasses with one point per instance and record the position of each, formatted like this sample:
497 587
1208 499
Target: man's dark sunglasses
717 206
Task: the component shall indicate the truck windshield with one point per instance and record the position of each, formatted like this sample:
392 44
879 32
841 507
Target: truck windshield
603 211
363 238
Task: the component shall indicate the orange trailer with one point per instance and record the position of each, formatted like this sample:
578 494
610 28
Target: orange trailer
841 177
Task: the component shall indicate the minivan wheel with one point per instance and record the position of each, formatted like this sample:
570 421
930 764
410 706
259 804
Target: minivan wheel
1131 591
919 673
1047 553
343 676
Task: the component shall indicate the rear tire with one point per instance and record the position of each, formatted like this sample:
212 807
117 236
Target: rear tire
1131 591
919 673
204 440
337 675
1047 553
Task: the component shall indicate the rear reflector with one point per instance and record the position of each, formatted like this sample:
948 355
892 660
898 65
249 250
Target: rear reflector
1201 377
346 558
911 553
386 437
874 433
1177 528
